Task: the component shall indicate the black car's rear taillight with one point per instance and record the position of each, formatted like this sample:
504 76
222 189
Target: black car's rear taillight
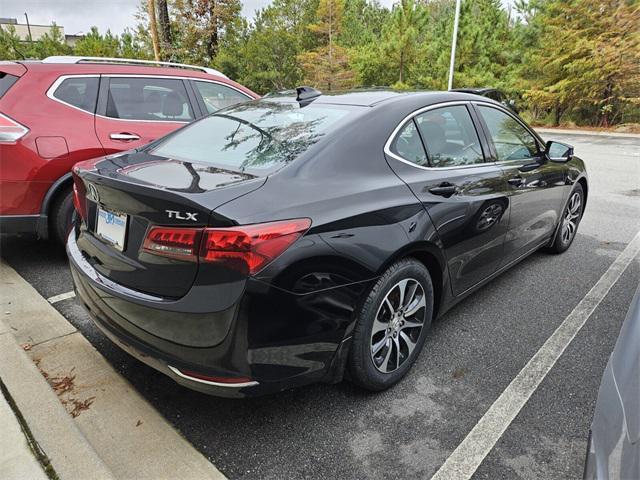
180 243
251 247
245 248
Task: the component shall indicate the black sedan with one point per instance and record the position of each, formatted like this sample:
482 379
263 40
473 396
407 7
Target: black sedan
307 237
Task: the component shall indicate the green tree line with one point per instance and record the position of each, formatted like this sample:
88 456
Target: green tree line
561 60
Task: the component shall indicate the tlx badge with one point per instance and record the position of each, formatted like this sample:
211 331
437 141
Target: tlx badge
182 216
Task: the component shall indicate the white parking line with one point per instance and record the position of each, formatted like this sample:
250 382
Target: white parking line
59 298
468 456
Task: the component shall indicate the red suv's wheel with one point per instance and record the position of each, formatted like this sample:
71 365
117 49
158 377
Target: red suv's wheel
61 215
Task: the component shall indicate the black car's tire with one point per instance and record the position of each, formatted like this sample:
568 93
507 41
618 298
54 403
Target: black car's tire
60 218
569 221
369 370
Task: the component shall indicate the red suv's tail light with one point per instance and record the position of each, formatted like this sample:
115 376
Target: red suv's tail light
10 130
79 200
246 248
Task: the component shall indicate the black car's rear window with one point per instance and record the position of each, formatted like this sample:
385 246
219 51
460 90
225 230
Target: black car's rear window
254 136
6 82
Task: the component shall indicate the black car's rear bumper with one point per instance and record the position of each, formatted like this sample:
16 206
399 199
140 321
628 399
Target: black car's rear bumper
272 338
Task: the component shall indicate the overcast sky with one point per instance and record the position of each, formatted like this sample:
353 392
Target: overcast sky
77 16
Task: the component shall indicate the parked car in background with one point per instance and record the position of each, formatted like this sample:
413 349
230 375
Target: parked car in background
613 452
493 94
62 110
287 240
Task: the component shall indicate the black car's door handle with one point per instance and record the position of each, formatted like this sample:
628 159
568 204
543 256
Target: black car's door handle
445 189
516 181
530 166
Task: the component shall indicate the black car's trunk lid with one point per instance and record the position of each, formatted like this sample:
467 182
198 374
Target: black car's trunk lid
122 197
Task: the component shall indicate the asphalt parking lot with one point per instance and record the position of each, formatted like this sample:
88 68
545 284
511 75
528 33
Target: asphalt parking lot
472 355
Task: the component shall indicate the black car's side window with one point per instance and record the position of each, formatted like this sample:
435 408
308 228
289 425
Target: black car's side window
144 98
511 140
408 145
81 92
449 136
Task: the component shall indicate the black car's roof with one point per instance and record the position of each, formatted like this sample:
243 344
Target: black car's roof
369 98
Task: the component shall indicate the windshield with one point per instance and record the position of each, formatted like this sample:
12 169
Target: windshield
253 136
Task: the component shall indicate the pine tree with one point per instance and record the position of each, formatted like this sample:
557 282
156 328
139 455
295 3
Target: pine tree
483 44
327 66
401 36
51 43
362 22
264 56
93 44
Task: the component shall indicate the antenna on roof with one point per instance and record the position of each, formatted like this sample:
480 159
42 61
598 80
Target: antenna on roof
306 94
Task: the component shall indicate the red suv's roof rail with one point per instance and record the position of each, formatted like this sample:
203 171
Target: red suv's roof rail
129 61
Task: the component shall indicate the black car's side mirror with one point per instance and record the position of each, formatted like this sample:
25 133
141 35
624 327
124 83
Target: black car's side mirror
558 152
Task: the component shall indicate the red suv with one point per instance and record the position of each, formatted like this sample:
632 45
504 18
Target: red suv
61 110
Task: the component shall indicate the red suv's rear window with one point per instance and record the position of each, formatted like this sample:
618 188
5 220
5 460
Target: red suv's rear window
6 82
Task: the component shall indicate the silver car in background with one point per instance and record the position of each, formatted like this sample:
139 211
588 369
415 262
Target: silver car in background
614 450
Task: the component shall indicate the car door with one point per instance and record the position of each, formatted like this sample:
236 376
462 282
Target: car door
537 187
444 160
213 96
136 110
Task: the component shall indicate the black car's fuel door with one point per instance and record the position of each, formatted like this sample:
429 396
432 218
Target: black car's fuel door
440 155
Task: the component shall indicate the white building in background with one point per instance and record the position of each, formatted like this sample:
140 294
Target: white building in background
33 32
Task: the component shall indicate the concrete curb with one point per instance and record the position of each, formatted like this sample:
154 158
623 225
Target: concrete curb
568 131
117 432
20 456
58 436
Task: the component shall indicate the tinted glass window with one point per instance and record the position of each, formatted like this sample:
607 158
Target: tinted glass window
257 135
6 81
408 145
511 139
450 137
148 99
218 96
79 92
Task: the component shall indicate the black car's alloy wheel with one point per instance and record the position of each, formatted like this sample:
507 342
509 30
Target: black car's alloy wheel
569 221
397 325
571 217
392 326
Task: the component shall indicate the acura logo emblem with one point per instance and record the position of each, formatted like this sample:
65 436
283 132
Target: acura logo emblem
92 192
